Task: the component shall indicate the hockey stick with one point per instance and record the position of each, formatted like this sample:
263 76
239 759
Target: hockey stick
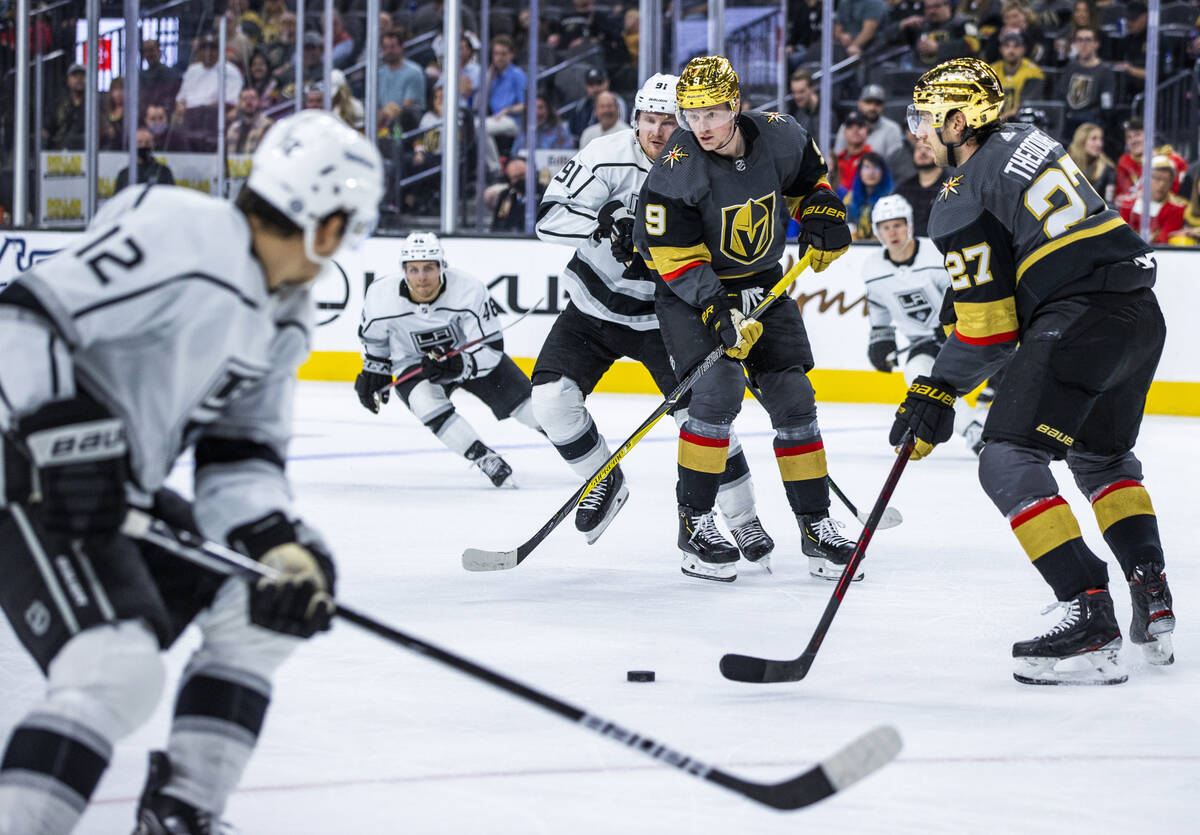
891 516
478 559
455 351
860 758
761 670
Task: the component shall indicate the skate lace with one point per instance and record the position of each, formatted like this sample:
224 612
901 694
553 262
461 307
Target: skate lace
491 464
1068 620
704 529
749 534
828 533
596 496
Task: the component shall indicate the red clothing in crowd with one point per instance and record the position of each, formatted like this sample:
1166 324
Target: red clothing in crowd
1166 219
847 164
1129 171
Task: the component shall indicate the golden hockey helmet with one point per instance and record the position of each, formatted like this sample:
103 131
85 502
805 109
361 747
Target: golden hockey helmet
964 84
707 81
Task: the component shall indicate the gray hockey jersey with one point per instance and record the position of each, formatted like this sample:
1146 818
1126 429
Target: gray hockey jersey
161 312
906 297
397 328
610 168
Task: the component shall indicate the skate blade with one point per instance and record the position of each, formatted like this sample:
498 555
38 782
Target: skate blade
1159 652
1099 667
613 510
720 572
763 562
827 570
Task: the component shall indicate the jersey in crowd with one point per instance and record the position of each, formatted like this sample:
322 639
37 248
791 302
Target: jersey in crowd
609 168
906 296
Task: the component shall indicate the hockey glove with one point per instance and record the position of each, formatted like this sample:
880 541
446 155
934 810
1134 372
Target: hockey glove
299 599
928 411
730 327
444 370
606 217
881 350
373 383
622 239
823 228
77 450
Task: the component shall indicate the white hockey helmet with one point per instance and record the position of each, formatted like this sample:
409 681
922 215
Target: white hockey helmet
892 207
422 246
656 96
309 166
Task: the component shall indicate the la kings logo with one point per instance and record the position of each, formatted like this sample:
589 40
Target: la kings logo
437 340
915 306
748 229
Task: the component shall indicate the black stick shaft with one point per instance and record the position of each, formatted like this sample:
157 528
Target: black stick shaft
845 499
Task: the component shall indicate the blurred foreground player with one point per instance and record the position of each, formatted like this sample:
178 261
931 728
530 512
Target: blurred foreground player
412 321
1050 280
713 218
177 321
906 283
591 205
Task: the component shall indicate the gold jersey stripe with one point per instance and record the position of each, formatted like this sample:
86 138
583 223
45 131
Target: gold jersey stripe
1065 240
980 320
1127 499
1045 527
668 259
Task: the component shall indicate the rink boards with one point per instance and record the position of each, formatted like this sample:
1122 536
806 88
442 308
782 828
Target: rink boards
524 274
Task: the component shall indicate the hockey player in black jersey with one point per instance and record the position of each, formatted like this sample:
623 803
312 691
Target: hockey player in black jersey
176 322
712 221
591 205
1051 281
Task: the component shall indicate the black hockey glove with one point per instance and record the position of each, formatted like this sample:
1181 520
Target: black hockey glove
823 228
444 370
371 383
730 327
622 239
78 452
881 350
928 411
299 601
606 217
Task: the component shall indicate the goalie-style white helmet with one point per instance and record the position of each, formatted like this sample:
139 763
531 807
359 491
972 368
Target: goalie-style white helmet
892 207
309 166
656 96
422 246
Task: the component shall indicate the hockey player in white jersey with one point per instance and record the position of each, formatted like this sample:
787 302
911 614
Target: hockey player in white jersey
414 321
176 321
590 205
906 284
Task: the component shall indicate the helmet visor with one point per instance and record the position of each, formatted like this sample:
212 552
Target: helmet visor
918 118
701 119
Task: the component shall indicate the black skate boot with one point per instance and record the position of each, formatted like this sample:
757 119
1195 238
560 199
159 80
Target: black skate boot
1088 632
161 814
599 507
1153 620
828 551
492 465
755 544
706 553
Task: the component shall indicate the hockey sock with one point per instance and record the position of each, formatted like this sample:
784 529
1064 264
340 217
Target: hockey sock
218 715
524 414
703 450
1049 533
800 455
453 430
49 771
1126 518
735 496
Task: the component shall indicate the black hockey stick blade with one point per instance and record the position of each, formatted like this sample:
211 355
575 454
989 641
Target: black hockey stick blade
752 670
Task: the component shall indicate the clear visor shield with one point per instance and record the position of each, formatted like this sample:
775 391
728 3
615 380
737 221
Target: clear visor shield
705 119
919 120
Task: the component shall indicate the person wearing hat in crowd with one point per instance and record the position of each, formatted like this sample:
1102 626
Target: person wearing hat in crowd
1020 77
1166 208
65 127
1087 85
854 131
594 83
883 134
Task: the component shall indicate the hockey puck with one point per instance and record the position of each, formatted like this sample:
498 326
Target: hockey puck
640 675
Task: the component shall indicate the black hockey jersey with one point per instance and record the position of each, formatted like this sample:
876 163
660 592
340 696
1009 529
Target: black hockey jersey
708 222
1019 224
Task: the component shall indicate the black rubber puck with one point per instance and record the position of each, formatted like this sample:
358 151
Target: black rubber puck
640 675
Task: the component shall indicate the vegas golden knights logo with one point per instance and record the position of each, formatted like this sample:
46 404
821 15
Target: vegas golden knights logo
748 229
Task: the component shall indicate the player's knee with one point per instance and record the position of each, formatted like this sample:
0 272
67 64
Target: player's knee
426 401
230 640
108 677
1094 472
1011 474
789 398
435 423
558 407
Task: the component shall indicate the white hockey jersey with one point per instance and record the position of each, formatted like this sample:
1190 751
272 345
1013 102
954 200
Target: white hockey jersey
906 297
395 327
161 312
610 168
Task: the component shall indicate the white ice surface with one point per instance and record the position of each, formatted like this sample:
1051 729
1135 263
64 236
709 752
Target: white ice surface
364 737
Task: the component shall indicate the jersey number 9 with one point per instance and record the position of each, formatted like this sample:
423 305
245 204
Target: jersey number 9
656 219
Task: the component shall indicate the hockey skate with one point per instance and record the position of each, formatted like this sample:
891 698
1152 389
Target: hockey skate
161 814
491 464
828 551
755 544
600 506
1153 619
707 554
1087 639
